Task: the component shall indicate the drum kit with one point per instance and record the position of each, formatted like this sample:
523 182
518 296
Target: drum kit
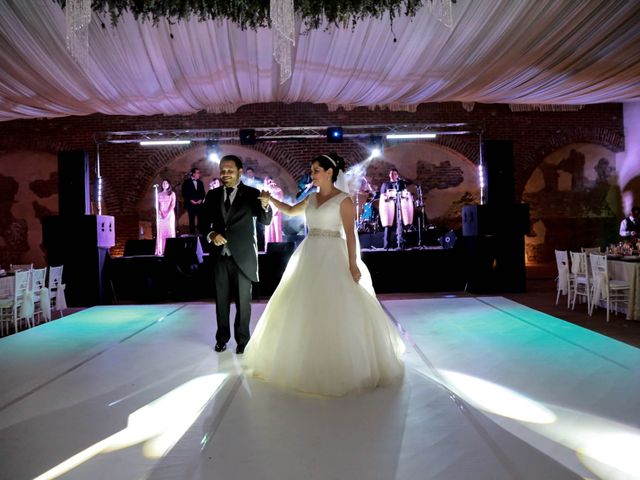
375 210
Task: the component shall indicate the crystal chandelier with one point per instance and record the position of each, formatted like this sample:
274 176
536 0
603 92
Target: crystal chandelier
283 24
78 17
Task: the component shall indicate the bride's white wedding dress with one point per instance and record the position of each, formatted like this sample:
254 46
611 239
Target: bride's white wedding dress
321 332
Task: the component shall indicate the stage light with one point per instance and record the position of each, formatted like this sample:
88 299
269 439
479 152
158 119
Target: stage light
376 146
334 135
408 136
151 143
247 136
213 151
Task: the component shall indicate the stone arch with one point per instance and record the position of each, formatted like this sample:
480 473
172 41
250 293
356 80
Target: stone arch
574 200
529 160
630 195
177 168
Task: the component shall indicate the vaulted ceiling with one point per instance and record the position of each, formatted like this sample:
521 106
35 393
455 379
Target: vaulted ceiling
566 52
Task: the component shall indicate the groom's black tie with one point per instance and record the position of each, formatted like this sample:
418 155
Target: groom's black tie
227 202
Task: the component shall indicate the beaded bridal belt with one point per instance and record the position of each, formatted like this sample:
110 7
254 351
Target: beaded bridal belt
320 232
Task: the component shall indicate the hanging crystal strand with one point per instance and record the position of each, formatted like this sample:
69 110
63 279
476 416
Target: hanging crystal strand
283 24
441 9
78 17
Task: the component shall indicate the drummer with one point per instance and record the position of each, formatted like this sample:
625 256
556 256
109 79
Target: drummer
396 230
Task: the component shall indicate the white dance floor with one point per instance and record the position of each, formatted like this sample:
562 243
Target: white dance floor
493 390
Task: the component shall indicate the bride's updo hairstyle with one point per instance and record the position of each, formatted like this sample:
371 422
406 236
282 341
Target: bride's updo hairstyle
333 161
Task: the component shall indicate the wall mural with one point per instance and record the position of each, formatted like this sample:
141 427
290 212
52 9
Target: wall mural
28 191
574 201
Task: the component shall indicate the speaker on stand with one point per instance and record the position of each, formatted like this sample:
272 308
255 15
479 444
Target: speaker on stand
79 241
493 233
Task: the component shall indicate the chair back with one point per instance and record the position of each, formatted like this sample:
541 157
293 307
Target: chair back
562 263
600 276
38 279
579 264
21 286
55 277
562 260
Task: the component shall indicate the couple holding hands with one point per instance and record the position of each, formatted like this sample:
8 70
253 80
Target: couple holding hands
323 331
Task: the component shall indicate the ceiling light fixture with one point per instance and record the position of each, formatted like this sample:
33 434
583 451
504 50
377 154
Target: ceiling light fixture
407 136
152 143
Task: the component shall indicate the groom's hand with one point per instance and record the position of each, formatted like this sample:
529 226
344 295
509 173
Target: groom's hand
264 198
216 239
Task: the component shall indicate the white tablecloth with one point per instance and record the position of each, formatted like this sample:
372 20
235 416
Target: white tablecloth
7 284
629 272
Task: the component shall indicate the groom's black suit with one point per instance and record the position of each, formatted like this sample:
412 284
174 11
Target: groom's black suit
235 272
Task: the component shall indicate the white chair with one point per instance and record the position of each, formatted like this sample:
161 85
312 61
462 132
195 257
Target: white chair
40 293
563 283
580 279
604 288
14 308
56 289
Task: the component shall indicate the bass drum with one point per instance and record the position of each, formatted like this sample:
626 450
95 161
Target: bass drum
368 213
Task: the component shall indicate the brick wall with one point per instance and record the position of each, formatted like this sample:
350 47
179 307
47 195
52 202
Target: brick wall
128 170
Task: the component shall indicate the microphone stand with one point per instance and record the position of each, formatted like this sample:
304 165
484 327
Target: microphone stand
420 205
157 208
399 222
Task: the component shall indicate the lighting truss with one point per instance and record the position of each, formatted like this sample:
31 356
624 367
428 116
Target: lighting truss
274 134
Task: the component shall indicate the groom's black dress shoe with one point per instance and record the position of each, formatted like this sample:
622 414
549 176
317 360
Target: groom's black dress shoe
240 349
220 347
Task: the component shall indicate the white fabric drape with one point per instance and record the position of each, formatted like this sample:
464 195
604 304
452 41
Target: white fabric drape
563 279
61 298
45 303
498 51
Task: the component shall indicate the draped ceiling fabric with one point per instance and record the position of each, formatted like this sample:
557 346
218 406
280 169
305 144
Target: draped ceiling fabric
498 51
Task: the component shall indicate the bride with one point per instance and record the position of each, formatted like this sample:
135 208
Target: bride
323 330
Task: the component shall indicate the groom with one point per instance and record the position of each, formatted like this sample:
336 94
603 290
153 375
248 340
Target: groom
229 213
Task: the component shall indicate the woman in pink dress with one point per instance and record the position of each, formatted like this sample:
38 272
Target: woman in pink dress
166 216
273 231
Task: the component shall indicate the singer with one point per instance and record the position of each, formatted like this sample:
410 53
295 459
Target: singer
166 215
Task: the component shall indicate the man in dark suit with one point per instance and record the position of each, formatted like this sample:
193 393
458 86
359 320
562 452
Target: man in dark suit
193 194
230 214
396 185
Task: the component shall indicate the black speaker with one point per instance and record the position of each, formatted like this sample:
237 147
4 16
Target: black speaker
498 160
186 250
73 183
495 219
81 245
495 264
286 248
247 136
134 248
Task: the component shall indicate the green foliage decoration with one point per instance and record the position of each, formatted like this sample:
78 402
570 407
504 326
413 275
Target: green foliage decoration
253 14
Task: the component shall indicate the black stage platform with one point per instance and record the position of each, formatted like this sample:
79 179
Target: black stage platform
149 278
